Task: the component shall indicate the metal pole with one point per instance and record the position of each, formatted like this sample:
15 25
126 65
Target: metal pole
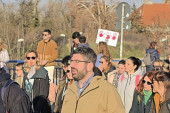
164 49
19 46
122 22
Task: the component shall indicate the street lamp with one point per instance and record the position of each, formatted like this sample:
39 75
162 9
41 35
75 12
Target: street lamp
19 48
63 35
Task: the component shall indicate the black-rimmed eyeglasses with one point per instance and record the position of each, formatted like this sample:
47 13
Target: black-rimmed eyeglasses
78 61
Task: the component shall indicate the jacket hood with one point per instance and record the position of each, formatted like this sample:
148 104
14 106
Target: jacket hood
4 75
40 73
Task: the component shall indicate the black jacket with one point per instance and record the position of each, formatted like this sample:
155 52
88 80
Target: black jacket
138 105
41 83
15 99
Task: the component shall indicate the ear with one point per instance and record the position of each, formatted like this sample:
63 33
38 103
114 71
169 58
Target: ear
134 67
90 66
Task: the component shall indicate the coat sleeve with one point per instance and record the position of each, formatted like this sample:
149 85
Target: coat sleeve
54 53
4 57
45 87
114 102
134 108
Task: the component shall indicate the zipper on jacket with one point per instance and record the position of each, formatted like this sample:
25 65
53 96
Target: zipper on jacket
125 88
82 96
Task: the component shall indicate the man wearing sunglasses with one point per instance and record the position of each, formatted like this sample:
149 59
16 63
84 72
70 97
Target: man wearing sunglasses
48 53
89 92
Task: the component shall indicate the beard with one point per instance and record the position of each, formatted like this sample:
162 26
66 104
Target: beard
80 74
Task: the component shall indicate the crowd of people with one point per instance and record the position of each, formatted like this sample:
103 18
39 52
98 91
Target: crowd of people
91 83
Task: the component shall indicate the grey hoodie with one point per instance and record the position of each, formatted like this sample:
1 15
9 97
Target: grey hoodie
126 88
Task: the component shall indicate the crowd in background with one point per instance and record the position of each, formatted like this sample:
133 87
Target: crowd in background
91 81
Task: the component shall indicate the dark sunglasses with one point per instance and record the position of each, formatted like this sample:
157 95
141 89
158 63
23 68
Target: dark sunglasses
33 58
44 34
68 71
149 83
100 62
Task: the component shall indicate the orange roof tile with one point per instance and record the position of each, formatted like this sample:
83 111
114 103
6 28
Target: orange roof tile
155 13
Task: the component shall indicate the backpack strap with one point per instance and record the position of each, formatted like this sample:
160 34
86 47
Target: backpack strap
137 81
5 86
122 77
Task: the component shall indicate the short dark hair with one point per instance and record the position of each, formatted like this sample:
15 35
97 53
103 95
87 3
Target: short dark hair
75 35
66 60
136 61
122 62
47 30
82 39
87 53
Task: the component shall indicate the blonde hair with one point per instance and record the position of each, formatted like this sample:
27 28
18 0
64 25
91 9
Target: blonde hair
109 63
103 49
3 46
26 67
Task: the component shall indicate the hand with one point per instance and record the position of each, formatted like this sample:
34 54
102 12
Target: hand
111 76
44 62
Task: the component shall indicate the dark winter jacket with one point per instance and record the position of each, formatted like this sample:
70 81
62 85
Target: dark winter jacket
138 105
15 99
41 83
154 56
165 106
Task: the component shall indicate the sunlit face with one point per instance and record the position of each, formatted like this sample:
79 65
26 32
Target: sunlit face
76 40
147 83
46 36
18 71
78 66
121 68
129 66
103 63
31 59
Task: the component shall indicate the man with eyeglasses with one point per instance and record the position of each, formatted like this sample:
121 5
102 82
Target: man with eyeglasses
89 92
48 53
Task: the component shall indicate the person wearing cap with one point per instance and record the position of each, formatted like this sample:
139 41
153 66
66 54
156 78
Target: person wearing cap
4 56
75 37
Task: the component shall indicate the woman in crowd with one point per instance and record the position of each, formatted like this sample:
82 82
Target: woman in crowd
154 55
19 74
129 81
161 88
102 51
36 83
106 65
4 57
143 95
113 77
68 81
